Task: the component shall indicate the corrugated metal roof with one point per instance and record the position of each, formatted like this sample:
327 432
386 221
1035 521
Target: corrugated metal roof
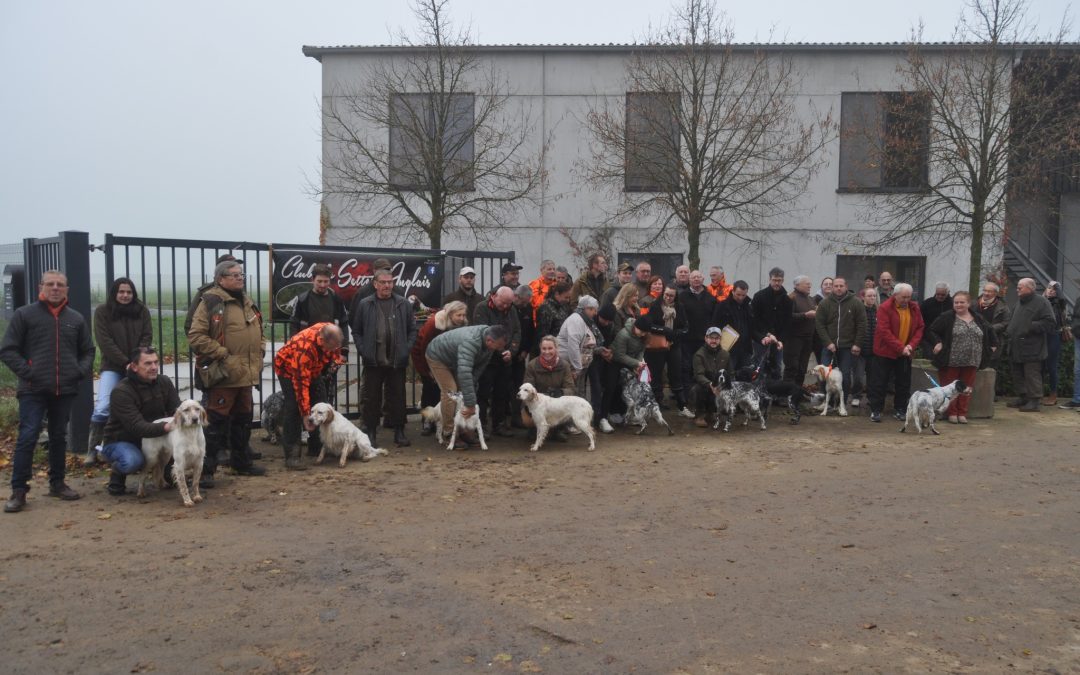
318 51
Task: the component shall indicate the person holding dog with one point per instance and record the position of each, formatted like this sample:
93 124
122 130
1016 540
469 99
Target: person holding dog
899 331
962 344
457 359
301 365
709 360
453 315
138 401
550 375
48 347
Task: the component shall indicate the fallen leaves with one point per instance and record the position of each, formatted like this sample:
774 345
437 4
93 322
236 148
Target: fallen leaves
104 516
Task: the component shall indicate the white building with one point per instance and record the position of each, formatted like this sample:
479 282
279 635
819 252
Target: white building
559 84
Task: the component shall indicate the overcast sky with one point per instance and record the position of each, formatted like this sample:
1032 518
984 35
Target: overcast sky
200 118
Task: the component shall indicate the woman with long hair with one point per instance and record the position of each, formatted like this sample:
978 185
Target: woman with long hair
121 325
626 306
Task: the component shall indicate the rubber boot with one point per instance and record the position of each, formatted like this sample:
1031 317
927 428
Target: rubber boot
240 445
97 433
117 483
215 435
371 436
314 443
399 437
293 461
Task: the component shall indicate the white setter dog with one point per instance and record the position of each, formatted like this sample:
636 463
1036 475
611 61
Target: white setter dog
185 445
548 412
433 415
340 437
833 380
926 405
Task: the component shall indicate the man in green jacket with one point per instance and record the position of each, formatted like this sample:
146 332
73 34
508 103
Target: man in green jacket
457 358
708 362
841 326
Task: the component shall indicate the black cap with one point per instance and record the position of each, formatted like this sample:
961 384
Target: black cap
510 267
644 323
607 312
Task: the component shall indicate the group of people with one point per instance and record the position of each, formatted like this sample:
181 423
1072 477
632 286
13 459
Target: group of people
563 336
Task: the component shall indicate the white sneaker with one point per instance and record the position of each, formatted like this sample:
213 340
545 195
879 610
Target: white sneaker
573 431
605 427
686 412
615 418
854 402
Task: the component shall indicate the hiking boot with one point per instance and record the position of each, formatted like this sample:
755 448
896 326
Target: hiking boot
503 430
17 501
1030 406
400 439
250 470
700 423
559 436
899 416
428 429
1050 400
294 463
371 436
93 445
62 491
1018 403
117 484
875 417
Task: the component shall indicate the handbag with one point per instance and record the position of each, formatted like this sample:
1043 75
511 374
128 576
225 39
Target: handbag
656 342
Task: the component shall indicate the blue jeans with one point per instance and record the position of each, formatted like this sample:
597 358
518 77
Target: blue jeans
106 383
1053 358
125 457
844 361
32 411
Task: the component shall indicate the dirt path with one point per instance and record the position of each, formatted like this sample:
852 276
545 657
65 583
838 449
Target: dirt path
833 546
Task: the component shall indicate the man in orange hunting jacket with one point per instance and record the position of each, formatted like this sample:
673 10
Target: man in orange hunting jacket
542 284
718 285
300 365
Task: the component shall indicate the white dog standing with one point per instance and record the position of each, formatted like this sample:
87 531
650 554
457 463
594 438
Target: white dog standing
548 412
340 437
433 415
185 444
926 404
833 380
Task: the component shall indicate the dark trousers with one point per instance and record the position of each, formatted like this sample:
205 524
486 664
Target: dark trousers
612 402
1027 379
517 377
33 409
704 400
291 422
493 394
228 410
881 369
382 390
669 362
592 378
429 392
1053 357
688 348
797 352
741 358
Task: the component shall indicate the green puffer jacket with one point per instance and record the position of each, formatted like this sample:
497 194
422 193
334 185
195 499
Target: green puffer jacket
242 328
462 350
629 349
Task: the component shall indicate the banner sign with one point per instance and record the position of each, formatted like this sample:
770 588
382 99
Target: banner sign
415 274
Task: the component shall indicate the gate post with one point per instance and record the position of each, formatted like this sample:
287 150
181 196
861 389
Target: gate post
75 263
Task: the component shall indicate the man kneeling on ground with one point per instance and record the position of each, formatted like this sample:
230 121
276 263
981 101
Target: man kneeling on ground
708 362
144 395
300 366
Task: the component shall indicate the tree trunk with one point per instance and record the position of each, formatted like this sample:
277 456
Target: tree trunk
975 258
435 235
693 238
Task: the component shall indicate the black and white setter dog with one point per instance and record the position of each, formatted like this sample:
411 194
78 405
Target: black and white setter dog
640 402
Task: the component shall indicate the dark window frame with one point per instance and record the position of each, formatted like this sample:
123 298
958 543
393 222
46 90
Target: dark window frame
857 135
644 179
406 170
879 263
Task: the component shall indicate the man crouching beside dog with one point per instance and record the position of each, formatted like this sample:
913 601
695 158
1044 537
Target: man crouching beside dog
300 366
144 395
708 362
457 359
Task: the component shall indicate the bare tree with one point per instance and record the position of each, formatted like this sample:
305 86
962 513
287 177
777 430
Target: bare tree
710 138
429 141
967 132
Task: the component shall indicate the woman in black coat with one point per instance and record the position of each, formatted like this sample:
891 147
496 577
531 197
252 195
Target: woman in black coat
963 342
667 315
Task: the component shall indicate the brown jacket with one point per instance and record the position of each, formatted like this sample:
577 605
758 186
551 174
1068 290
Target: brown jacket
242 344
547 381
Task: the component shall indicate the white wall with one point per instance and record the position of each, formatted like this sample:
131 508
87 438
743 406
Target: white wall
560 87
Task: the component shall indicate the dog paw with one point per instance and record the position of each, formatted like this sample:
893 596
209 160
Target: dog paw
197 498
843 413
189 503
533 448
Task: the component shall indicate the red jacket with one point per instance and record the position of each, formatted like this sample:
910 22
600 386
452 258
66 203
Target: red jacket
437 323
886 341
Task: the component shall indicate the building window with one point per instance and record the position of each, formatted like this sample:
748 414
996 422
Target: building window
908 269
652 142
431 141
884 142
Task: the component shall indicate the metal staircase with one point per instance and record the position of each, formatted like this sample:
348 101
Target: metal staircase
1019 264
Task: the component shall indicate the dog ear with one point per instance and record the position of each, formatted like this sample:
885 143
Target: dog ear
330 415
203 420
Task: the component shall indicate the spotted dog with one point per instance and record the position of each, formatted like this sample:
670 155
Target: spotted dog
640 402
273 417
926 404
735 396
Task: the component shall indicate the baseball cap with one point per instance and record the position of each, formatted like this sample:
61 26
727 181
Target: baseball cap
467 270
510 267
713 330
626 267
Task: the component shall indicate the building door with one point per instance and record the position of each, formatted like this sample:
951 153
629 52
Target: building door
910 269
663 264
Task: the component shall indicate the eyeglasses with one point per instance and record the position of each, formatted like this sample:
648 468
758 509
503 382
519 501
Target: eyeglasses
233 276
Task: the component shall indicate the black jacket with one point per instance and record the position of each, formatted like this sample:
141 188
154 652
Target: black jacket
49 354
302 317
365 327
471 300
772 313
941 331
135 404
678 330
698 309
487 315
931 308
118 336
741 318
